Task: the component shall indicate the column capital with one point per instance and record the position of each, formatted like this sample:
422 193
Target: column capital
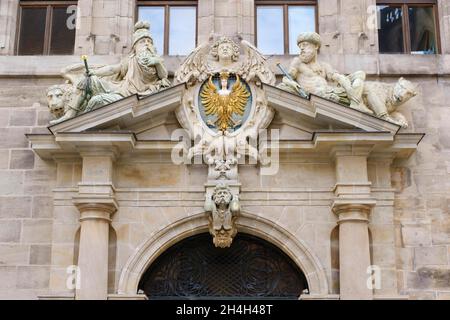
95 151
95 208
381 157
353 209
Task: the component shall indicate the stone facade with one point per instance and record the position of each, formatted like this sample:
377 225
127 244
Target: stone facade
147 203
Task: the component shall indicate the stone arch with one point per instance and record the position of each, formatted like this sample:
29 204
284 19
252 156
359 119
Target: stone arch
146 253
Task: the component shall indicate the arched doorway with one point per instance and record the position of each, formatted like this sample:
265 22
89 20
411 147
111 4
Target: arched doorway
195 269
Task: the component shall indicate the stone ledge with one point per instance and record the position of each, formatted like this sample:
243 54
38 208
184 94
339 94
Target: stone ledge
319 297
127 297
372 64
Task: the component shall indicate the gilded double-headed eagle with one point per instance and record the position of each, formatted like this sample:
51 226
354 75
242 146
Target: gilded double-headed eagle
224 103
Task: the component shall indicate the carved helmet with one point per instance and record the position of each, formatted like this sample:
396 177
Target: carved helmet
141 30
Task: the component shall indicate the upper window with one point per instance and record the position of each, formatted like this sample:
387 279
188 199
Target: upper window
407 26
46 27
173 25
278 24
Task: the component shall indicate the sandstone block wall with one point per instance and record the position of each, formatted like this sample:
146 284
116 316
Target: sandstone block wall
410 227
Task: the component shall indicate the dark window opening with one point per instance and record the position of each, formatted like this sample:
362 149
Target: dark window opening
46 28
408 27
250 268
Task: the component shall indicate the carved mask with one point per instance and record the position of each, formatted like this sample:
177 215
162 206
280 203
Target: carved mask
225 51
223 238
222 197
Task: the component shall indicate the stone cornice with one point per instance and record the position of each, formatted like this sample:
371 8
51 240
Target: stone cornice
66 146
125 112
360 142
373 64
112 128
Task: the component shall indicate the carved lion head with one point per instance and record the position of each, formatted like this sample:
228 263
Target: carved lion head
403 91
57 97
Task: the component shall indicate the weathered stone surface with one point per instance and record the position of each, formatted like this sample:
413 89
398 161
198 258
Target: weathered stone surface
400 178
8 277
21 159
33 277
409 234
22 118
422 295
416 235
4 159
441 231
14 254
40 255
43 118
39 182
13 137
15 207
10 231
37 231
42 207
430 256
429 278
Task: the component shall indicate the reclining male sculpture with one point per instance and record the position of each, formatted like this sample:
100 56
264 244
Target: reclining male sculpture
308 74
142 72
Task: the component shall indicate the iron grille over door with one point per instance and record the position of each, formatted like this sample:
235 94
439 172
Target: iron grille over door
250 268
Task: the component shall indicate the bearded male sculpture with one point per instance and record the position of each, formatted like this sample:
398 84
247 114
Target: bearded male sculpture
320 78
307 74
223 206
142 72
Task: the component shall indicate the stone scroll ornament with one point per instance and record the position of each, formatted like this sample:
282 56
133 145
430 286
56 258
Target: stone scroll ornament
306 74
142 72
223 109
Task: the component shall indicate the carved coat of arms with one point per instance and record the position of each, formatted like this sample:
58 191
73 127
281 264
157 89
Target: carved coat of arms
226 104
224 107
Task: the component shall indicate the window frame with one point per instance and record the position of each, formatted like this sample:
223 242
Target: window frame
405 5
167 4
285 4
48 5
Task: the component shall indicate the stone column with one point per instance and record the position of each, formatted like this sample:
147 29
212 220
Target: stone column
353 204
96 204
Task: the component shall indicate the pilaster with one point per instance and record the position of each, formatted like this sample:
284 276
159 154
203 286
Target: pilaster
96 203
353 205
